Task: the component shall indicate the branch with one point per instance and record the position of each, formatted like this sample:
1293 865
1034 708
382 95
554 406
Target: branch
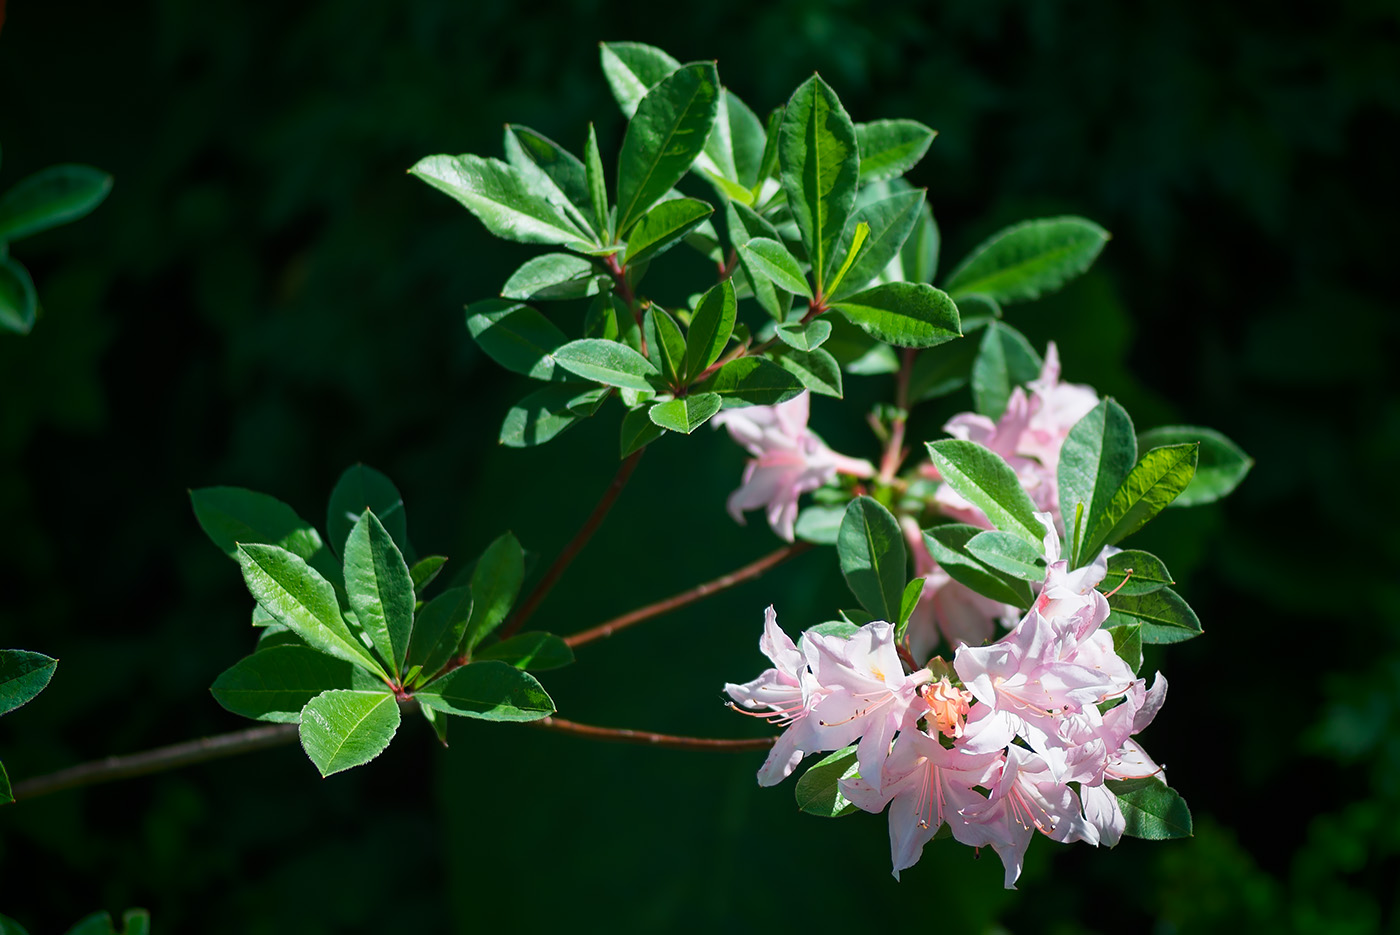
648 739
590 526
751 570
894 449
158 760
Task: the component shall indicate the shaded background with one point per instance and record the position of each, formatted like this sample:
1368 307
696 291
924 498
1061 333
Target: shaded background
266 298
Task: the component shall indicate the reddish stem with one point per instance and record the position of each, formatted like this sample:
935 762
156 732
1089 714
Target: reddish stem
894 448
751 570
648 739
625 293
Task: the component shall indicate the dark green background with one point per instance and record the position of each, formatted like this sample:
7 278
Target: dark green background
266 298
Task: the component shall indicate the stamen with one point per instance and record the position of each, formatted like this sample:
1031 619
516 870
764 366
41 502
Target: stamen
1127 573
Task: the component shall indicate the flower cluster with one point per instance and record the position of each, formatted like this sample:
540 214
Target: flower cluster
994 748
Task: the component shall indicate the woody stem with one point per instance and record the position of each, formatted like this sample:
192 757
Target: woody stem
649 739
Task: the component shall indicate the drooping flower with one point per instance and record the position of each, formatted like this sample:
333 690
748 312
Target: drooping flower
789 460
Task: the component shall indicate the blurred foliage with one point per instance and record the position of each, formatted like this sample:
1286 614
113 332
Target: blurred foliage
266 297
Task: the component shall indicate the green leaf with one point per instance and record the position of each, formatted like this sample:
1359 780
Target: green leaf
535 651
820 166
1221 465
1009 553
818 790
1127 644
438 629
872 555
490 690
515 336
941 370
744 225
1149 573
1151 810
606 362
769 258
502 199
303 602
1022 261
890 148
663 227
23 674
556 276
50 197
860 233
1005 360
274 684
19 305
665 343
806 337
977 311
424 571
495 584
988 483
1153 483
361 488
553 172
230 515
7 795
1162 616
546 412
632 69
136 922
904 314
710 328
1097 456
891 220
638 431
751 381
747 138
913 591
948 546
687 413
341 729
663 138
820 524
380 589
597 186
818 370
98 923
768 165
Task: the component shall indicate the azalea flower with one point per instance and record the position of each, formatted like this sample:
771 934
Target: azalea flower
789 459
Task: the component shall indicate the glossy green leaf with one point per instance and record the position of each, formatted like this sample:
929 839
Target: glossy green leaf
744 225
1149 573
948 546
1220 467
50 197
638 431
7 795
23 674
1005 360
904 314
515 336
1155 481
490 690
891 220
710 328
818 370
855 250
872 555
687 413
746 136
502 199
1097 456
230 515
819 524
1151 810
343 729
380 589
769 258
818 790
424 571
913 591
1009 553
274 684
546 412
606 362
665 343
302 601
495 584
752 381
1022 261
553 172
806 337
1127 644
820 166
632 69
990 484
438 629
768 166
535 651
663 138
362 488
597 185
19 304
890 148
662 227
1161 616
556 276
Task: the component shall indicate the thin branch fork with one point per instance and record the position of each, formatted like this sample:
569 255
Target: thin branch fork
649 739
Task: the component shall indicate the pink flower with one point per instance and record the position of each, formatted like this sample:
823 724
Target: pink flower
1061 406
788 460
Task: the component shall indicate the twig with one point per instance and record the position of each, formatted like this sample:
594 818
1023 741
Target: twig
648 739
751 570
894 448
